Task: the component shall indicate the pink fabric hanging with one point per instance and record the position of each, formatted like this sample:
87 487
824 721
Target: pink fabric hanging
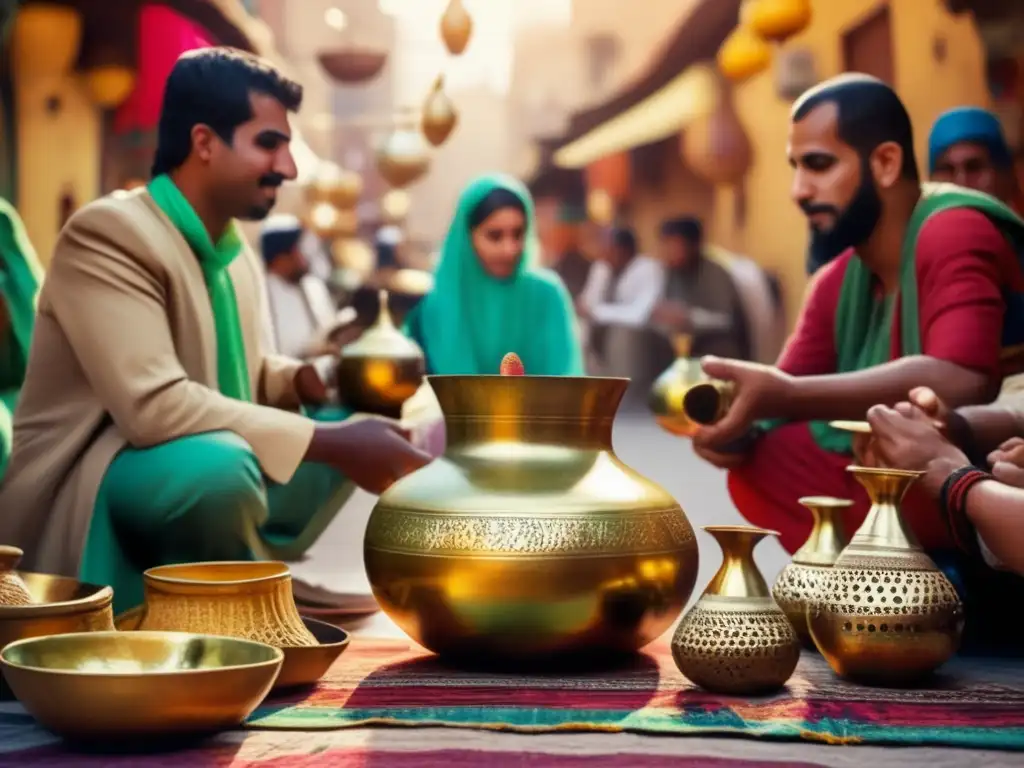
163 36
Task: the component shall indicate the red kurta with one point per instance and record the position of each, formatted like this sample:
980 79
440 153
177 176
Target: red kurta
962 263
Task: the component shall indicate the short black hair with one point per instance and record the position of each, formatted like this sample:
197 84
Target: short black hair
869 115
689 228
278 243
624 238
212 86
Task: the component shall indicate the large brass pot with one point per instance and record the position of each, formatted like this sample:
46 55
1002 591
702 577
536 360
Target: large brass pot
381 369
885 613
529 537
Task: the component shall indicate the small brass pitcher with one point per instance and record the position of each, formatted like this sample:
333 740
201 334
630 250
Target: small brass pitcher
885 613
735 639
800 581
683 397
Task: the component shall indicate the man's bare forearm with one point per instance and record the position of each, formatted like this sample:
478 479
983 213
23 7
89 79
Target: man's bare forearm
850 395
980 429
997 512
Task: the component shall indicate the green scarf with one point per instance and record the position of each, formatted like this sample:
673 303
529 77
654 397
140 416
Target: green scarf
20 277
863 328
470 320
232 370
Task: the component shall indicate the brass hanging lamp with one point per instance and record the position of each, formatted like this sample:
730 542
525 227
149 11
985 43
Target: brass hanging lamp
456 27
439 116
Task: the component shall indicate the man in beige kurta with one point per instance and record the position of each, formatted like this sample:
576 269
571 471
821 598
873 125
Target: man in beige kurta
126 453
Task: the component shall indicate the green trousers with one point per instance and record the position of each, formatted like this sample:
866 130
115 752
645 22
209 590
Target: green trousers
202 498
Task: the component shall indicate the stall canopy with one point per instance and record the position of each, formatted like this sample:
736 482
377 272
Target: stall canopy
663 100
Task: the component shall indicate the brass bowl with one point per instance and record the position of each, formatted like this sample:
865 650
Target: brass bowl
248 600
59 606
303 664
110 687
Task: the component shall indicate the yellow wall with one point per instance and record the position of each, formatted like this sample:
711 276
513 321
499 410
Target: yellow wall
56 153
775 231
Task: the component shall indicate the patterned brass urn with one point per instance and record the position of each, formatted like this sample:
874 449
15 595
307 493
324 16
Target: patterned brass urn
382 369
800 581
529 537
885 614
684 397
736 639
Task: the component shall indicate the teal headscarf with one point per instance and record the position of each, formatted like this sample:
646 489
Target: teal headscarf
470 320
20 278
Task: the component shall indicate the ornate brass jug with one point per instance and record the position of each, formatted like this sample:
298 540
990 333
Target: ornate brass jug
529 537
800 581
382 369
683 397
885 612
13 590
735 639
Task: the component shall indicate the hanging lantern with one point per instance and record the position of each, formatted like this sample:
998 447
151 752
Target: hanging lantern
352 65
716 147
743 55
109 85
330 223
778 20
394 206
439 116
403 157
456 27
600 207
45 39
339 187
352 254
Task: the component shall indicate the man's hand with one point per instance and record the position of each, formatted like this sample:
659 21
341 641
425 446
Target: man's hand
371 452
914 442
720 459
1008 462
671 314
311 382
761 392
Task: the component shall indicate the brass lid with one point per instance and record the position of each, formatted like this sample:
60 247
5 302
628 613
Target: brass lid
13 591
383 339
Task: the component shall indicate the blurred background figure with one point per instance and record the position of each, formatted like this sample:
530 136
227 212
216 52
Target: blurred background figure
301 311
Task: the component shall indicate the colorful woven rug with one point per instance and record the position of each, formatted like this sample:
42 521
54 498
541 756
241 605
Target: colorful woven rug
973 703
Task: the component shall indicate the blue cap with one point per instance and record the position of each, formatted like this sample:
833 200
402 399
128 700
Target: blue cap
968 124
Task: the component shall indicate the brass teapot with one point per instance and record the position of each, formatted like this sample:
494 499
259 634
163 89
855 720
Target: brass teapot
528 537
885 613
381 369
683 397
799 582
736 639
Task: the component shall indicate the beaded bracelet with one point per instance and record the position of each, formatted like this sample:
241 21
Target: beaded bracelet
953 499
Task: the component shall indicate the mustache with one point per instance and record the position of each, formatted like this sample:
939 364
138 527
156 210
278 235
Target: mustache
811 209
272 180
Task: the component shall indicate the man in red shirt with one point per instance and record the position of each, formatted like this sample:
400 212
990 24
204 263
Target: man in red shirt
917 297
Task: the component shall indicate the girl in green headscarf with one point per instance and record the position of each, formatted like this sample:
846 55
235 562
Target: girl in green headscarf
491 296
20 277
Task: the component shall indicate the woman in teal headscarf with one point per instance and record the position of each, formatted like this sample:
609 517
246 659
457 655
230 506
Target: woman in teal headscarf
20 276
491 296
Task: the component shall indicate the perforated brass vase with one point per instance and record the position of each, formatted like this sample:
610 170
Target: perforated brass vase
381 369
886 614
800 581
735 639
13 590
529 537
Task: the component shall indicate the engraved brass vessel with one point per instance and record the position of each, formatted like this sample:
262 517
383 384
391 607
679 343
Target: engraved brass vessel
736 639
248 600
529 537
683 397
55 604
799 582
111 688
382 369
885 614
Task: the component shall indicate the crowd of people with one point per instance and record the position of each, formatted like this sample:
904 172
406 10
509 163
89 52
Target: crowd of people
156 422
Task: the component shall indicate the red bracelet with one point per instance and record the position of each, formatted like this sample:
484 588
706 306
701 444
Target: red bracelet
954 505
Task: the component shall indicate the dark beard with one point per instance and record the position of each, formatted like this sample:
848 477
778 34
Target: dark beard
853 226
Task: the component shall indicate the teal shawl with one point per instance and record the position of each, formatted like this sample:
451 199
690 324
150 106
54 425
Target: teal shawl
214 259
20 277
469 320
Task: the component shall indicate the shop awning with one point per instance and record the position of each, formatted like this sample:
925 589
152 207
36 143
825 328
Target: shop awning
690 95
673 73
